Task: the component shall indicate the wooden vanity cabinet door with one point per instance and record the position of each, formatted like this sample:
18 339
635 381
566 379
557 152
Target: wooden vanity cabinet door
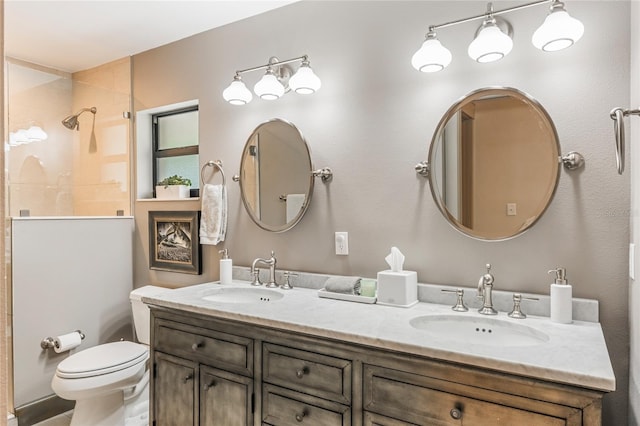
225 398
284 407
175 390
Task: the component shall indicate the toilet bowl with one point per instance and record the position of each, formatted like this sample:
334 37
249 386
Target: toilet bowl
109 382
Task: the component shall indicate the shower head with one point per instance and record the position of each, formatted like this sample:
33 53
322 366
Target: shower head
72 123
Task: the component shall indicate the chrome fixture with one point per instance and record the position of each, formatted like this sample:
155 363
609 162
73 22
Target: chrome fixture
493 39
287 285
72 123
617 115
459 306
278 79
516 312
485 287
271 262
325 174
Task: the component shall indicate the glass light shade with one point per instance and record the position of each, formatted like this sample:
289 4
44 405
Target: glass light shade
35 134
432 56
305 81
237 93
558 31
490 45
269 88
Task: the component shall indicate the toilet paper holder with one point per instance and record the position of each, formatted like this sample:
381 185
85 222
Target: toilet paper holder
49 342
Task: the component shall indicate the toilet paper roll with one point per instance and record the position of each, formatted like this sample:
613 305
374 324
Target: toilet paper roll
67 342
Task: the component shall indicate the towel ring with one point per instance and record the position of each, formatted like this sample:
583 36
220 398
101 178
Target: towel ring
217 164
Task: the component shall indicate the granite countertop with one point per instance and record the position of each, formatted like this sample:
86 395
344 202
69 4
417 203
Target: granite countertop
575 354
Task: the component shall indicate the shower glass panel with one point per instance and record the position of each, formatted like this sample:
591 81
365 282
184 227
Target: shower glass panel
57 171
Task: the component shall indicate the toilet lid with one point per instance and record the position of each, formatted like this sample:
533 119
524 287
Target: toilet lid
102 359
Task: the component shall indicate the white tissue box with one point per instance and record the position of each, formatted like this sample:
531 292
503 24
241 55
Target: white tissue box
398 288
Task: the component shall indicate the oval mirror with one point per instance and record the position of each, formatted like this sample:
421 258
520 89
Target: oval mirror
494 163
276 180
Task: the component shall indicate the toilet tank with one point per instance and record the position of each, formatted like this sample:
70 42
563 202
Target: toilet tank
141 313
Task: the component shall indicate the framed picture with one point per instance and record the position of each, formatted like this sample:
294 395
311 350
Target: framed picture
173 241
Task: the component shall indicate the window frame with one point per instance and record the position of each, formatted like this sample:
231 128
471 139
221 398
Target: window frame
158 153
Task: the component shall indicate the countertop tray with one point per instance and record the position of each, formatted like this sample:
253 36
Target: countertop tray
345 296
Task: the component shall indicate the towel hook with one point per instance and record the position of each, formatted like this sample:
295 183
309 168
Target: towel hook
218 164
617 115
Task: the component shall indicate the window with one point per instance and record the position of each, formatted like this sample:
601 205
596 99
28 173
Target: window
175 146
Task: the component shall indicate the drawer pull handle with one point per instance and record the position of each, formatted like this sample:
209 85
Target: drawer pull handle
300 373
187 378
206 386
300 416
195 346
456 413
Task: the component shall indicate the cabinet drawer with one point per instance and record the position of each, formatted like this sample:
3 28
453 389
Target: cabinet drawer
425 400
320 375
283 407
221 350
373 419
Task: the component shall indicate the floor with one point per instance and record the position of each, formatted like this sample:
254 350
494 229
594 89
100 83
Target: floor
61 420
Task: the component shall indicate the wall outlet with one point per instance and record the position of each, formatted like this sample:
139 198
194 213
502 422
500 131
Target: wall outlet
342 243
511 209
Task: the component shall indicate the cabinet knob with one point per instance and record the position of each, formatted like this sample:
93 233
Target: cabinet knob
300 373
206 386
187 378
300 416
455 413
195 346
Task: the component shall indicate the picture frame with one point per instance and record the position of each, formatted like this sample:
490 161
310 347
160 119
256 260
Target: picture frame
174 243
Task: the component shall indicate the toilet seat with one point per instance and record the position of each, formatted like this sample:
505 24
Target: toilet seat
102 359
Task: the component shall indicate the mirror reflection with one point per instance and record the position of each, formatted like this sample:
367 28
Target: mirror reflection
276 180
494 161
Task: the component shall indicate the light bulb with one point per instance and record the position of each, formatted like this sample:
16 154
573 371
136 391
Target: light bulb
491 44
432 55
269 88
237 93
558 31
305 81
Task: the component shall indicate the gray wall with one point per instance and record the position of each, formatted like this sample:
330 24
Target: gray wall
634 296
372 122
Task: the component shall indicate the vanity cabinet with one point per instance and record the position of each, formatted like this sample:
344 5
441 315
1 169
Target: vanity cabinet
201 377
211 371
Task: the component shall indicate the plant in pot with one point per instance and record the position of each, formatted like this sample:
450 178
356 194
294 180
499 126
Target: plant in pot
173 187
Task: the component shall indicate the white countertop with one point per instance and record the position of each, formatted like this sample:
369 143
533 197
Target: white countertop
575 354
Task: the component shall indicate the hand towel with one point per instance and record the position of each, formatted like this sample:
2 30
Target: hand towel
347 285
295 202
213 219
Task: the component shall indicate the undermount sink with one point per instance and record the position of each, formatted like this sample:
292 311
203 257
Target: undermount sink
243 295
477 330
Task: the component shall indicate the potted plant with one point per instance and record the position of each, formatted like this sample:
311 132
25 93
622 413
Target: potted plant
173 187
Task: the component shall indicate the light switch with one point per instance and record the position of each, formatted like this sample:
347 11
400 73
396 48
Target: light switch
342 243
511 209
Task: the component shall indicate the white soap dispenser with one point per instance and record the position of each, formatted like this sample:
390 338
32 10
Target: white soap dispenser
226 267
561 298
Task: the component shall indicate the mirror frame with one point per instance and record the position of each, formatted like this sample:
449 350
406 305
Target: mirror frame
474 95
287 226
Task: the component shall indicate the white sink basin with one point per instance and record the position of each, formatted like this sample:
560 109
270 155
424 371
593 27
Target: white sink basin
243 295
476 330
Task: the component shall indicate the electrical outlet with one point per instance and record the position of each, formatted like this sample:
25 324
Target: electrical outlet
511 209
342 243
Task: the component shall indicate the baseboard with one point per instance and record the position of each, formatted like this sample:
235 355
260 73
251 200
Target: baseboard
11 420
42 409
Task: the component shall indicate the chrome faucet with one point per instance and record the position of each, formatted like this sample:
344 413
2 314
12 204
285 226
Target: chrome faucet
272 271
485 287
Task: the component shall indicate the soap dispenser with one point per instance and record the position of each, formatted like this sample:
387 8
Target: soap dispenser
226 267
561 298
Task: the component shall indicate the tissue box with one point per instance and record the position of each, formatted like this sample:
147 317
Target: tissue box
398 288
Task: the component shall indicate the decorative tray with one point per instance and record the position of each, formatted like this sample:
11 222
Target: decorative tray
345 296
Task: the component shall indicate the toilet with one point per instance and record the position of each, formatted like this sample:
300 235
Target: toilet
109 382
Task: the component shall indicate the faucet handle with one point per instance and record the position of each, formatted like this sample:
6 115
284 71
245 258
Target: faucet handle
459 306
287 285
517 311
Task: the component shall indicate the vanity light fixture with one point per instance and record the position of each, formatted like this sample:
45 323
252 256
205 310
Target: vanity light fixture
493 39
276 81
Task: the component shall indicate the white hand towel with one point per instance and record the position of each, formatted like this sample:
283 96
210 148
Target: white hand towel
295 202
213 220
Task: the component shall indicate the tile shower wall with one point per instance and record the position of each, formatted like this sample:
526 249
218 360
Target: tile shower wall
372 121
